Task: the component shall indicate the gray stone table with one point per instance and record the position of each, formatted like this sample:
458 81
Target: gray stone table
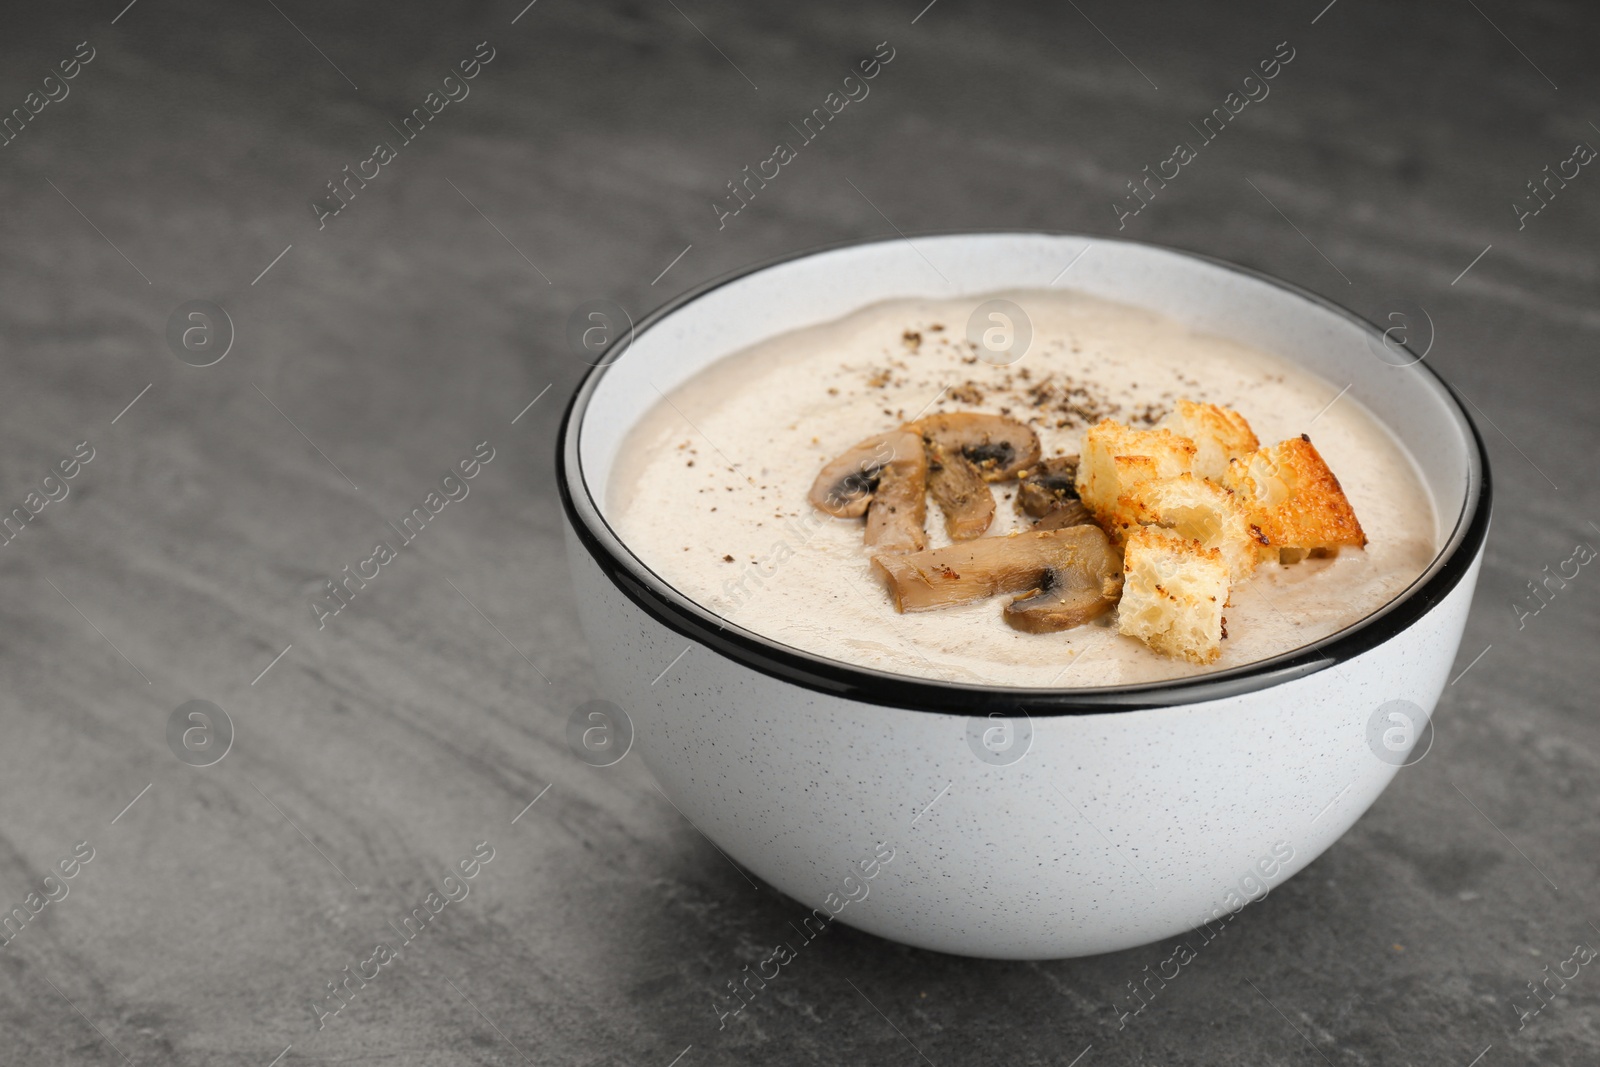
373 349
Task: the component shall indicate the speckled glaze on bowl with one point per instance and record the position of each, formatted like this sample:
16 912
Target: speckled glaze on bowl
1095 819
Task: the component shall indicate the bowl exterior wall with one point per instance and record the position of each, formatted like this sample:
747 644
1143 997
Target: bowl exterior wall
1053 837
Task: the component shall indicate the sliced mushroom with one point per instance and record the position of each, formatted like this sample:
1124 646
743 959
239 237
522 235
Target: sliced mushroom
846 485
998 446
1078 561
1047 485
1071 513
958 485
1083 588
900 503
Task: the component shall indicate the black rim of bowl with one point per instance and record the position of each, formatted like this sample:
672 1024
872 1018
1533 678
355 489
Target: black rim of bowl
677 612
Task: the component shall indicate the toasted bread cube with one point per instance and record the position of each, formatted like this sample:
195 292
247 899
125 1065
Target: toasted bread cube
1201 511
1293 499
1219 434
1115 460
1173 593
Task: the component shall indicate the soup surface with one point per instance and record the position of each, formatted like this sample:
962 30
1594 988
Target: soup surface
710 491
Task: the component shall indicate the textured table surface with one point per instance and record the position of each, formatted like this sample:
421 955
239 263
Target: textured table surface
378 350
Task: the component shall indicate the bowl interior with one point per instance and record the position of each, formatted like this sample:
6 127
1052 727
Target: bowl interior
1207 295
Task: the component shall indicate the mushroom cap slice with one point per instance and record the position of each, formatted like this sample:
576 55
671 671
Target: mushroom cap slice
846 485
1000 447
900 502
1081 558
966 499
1083 589
1072 513
1047 485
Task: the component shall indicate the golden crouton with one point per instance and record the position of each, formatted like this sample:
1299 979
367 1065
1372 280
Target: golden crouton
1290 496
1219 435
1200 511
1115 460
1173 593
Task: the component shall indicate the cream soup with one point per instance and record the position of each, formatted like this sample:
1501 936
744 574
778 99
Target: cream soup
710 491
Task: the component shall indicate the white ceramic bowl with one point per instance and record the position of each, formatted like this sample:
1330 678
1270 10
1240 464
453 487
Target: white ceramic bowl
1133 813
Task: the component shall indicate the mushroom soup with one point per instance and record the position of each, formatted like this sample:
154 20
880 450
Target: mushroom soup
747 490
